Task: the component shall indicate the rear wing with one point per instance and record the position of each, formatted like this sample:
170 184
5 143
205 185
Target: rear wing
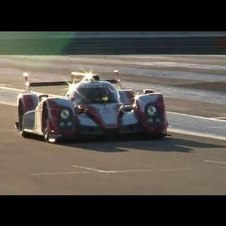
38 84
56 83
89 76
75 77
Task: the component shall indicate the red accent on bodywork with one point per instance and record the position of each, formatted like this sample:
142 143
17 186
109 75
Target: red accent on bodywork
92 113
141 115
54 119
160 104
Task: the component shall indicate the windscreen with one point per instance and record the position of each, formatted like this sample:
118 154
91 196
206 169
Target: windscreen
95 95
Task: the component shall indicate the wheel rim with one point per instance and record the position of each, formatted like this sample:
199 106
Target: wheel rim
46 134
45 124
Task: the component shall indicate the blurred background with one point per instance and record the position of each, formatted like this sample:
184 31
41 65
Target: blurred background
111 43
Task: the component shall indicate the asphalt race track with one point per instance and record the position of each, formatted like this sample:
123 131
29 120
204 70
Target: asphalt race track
190 161
180 164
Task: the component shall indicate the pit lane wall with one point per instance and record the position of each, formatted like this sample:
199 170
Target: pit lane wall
110 43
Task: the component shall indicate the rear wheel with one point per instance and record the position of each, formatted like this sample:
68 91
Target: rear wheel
21 112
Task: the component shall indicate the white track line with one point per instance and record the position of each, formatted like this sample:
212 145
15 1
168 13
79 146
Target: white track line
92 170
218 119
215 162
205 135
11 89
130 171
57 173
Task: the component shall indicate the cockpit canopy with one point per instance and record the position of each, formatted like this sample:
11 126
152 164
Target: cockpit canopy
99 93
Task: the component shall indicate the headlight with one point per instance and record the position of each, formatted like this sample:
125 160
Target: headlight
65 114
69 124
158 121
62 124
151 111
150 120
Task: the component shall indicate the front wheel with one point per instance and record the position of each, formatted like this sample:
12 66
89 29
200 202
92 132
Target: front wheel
159 136
45 124
46 134
156 136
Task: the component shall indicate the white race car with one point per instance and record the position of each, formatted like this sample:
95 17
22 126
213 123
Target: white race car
90 107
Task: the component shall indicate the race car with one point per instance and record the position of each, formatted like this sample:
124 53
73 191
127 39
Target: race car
91 107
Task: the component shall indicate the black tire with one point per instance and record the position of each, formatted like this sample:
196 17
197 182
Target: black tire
21 113
46 135
45 124
25 134
20 116
159 136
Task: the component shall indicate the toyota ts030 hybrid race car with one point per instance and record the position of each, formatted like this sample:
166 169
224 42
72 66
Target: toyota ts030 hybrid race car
90 107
